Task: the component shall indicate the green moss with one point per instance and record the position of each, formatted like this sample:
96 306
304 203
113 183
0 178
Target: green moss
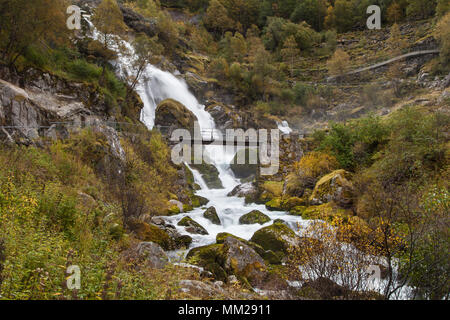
211 215
211 258
277 238
275 204
293 202
254 217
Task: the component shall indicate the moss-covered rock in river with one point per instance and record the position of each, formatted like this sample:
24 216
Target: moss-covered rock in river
276 204
241 165
192 226
269 256
211 215
231 257
254 217
277 237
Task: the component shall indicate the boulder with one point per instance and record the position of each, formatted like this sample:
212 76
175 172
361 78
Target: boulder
172 114
277 237
153 254
232 257
247 190
324 289
336 187
276 204
211 215
269 256
192 226
254 217
243 261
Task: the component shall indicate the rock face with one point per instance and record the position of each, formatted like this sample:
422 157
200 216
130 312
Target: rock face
254 217
334 187
192 226
211 215
278 238
154 255
17 109
172 114
139 23
200 288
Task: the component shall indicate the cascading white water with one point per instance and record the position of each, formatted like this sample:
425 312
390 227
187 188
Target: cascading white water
158 85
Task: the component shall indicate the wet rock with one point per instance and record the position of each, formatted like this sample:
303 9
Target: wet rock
154 255
210 174
192 226
254 217
246 190
139 23
278 238
171 114
211 215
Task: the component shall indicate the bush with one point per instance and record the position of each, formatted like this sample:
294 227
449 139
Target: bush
82 70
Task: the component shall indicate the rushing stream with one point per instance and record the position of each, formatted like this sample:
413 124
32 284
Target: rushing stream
157 85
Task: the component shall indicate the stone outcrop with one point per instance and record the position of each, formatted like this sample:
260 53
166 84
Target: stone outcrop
277 237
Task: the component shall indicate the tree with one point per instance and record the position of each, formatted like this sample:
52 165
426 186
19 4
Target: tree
108 20
339 63
216 18
395 12
344 15
147 51
24 23
420 9
290 53
443 34
443 6
396 44
311 11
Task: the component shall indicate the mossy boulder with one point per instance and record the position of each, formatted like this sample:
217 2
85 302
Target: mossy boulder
336 187
231 257
326 211
254 217
277 237
151 233
171 113
276 204
211 258
297 211
269 256
192 226
211 215
293 202
241 166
